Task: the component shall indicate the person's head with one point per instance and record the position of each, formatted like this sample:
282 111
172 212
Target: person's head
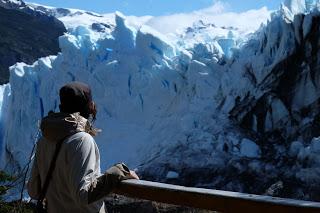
77 97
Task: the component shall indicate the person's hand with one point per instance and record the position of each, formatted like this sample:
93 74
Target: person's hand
121 172
133 175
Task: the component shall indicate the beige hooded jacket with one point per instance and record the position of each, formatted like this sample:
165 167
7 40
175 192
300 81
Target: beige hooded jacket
76 184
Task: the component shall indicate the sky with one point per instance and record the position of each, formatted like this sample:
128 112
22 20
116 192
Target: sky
158 7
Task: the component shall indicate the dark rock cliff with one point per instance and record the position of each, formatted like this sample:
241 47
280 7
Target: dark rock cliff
25 36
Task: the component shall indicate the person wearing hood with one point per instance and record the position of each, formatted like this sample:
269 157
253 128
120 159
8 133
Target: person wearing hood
76 183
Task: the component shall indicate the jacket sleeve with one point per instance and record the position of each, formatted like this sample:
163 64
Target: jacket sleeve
82 167
88 185
34 183
107 182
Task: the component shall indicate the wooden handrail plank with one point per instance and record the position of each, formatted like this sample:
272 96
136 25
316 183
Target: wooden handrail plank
216 200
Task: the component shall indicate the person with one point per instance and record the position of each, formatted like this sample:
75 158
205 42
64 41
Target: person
76 184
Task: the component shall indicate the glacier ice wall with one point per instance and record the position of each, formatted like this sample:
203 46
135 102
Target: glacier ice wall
145 94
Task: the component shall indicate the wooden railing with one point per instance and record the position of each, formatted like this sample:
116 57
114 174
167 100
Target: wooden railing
221 201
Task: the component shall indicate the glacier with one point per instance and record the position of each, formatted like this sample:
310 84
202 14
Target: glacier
196 108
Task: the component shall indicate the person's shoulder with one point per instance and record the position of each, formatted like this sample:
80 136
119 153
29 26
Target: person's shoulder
81 136
86 137
81 139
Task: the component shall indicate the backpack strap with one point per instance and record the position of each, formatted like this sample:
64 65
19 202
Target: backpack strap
50 171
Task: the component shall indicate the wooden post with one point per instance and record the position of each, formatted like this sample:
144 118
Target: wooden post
222 201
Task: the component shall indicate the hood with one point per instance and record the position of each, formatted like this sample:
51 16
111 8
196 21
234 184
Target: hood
57 126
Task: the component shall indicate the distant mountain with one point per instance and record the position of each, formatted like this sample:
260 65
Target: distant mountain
25 35
61 12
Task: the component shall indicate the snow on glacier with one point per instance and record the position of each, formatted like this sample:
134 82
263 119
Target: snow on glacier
246 22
